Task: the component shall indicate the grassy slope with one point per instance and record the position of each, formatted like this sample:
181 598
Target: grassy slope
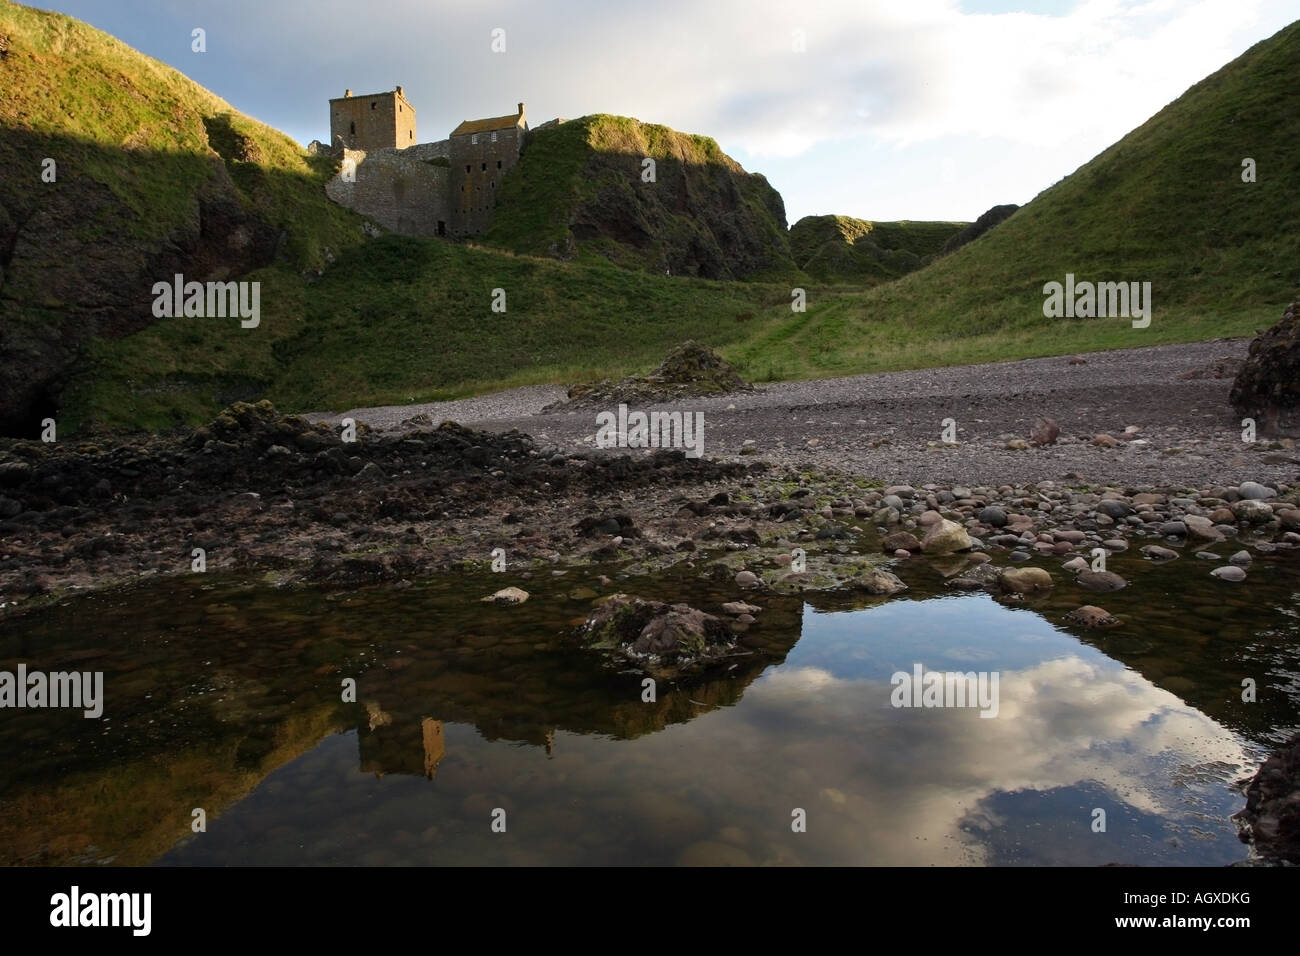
1166 204
844 249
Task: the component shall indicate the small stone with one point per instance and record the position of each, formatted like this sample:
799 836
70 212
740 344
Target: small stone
1026 580
1017 444
746 579
1156 553
1044 432
1092 616
507 596
1253 490
993 516
1241 557
944 537
1101 581
1229 573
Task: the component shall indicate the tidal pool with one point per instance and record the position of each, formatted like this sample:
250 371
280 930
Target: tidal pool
225 695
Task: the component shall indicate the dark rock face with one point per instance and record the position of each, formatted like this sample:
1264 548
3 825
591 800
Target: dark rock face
1271 820
64 258
1268 386
664 639
980 226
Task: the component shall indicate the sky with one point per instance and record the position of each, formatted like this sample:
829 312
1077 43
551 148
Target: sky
879 109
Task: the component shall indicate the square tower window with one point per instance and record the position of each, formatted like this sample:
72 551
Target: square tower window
482 167
467 168
498 164
373 105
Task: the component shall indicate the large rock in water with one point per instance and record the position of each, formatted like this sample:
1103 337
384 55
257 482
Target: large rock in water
1271 820
1268 386
664 639
945 537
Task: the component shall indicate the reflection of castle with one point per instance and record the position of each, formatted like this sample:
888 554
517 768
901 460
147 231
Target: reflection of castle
445 188
388 747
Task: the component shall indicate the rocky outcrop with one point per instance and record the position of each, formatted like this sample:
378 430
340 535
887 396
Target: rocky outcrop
1271 820
663 639
983 224
1268 386
583 186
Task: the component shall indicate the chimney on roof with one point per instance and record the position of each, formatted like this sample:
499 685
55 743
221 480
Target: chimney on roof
347 93
399 92
521 110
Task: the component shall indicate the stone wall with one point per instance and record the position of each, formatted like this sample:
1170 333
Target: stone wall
477 169
398 189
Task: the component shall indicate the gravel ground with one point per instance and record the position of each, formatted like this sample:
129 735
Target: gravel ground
888 425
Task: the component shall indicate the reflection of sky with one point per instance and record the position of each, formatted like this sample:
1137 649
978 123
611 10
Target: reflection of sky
880 785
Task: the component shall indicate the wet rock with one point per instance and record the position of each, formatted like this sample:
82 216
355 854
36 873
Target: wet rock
1026 580
993 516
1113 508
660 636
1075 565
944 537
1270 821
1252 511
1101 581
740 607
1241 558
1089 615
901 541
1200 528
973 579
1268 386
877 581
1157 553
511 595
1229 572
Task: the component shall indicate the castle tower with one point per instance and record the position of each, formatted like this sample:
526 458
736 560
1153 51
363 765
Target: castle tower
481 152
372 121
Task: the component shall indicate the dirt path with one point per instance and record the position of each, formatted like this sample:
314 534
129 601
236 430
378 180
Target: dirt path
888 425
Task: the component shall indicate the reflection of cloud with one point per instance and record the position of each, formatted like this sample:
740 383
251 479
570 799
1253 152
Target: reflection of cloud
885 785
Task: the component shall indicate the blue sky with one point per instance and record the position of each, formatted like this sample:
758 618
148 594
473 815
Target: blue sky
881 109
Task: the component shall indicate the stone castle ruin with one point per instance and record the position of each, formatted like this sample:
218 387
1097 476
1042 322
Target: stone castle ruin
443 188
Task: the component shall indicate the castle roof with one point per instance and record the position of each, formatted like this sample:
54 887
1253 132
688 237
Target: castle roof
487 125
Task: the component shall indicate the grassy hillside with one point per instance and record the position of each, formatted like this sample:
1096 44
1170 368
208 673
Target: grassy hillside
1166 204
407 319
578 193
866 253
153 175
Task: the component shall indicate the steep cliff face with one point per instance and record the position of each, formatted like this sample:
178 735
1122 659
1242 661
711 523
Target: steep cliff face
584 188
120 173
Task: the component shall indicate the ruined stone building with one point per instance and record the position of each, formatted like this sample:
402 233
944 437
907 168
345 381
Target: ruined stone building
444 188
377 121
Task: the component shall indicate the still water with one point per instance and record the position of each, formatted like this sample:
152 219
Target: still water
225 696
